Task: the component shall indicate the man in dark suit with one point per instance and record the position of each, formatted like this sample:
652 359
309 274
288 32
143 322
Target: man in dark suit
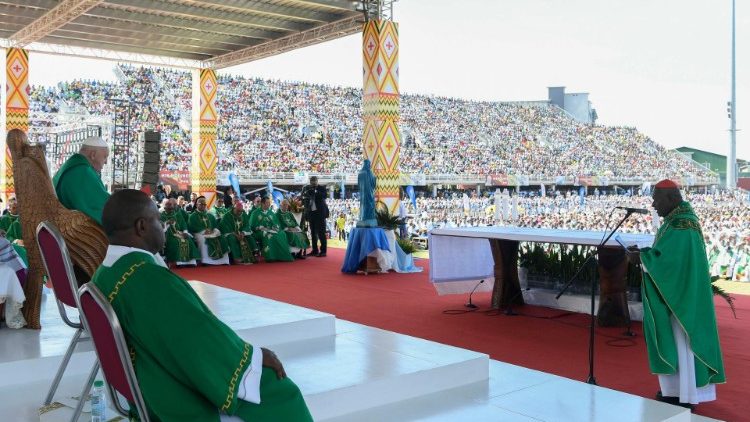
316 210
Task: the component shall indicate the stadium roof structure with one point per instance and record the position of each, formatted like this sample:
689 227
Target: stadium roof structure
181 33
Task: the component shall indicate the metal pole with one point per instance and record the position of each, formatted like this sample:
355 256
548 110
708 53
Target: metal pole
732 156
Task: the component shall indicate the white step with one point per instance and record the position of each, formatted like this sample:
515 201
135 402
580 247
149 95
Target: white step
514 393
258 320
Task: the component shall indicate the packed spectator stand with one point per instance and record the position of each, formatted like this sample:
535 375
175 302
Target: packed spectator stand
275 126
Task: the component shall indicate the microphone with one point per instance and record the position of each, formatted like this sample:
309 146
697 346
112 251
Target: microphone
470 305
633 210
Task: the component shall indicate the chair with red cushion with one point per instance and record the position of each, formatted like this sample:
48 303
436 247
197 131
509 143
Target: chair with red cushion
60 273
112 349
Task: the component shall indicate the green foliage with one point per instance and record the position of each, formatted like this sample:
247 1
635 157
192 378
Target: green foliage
385 219
406 245
718 291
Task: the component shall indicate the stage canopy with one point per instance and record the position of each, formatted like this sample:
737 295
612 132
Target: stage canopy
182 33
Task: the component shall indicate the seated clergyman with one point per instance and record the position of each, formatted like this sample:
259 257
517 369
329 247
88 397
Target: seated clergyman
180 247
213 247
189 365
235 227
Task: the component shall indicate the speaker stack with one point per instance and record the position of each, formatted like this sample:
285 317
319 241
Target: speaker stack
151 142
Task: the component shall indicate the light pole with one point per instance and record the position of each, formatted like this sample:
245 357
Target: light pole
732 109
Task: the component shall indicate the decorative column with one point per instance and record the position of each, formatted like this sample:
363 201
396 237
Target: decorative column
380 108
205 159
16 109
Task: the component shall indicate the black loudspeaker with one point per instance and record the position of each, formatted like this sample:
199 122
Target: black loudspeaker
151 142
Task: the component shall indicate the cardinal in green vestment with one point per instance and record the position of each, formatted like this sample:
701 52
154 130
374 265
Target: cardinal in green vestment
211 243
78 184
273 242
189 365
679 320
295 236
179 247
235 227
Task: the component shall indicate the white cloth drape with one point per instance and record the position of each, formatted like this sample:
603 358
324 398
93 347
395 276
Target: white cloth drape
682 384
200 240
12 295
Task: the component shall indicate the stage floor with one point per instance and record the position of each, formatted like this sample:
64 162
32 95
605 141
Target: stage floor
346 371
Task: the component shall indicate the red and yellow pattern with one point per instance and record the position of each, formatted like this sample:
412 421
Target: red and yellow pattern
381 138
205 158
16 107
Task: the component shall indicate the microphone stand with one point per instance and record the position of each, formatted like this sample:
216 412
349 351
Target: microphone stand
592 330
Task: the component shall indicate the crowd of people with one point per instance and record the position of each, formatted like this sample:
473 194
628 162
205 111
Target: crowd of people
723 216
276 126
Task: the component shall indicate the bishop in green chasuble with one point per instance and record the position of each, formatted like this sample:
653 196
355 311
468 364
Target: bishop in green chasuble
295 236
190 366
679 320
272 239
212 245
179 247
235 227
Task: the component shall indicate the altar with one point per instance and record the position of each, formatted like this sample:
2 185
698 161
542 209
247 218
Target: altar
461 257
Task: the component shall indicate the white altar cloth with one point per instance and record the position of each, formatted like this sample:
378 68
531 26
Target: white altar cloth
461 257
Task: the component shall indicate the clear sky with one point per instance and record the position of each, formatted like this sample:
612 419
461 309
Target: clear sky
661 66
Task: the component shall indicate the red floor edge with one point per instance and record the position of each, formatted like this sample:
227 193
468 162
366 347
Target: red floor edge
545 339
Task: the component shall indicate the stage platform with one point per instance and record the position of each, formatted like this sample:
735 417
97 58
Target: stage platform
346 371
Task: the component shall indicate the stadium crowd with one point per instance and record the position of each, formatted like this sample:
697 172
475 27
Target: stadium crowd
275 126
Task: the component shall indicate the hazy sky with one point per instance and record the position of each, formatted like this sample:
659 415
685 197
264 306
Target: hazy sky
662 66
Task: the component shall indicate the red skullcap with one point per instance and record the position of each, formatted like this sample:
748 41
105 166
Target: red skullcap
667 184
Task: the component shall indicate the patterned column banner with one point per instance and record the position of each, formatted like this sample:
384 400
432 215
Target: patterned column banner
381 139
205 158
16 107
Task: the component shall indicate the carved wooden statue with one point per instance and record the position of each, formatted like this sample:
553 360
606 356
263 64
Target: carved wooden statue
37 202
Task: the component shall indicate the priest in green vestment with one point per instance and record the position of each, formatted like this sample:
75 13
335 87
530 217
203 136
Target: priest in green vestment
295 236
273 242
679 320
235 227
190 366
11 217
179 247
212 245
78 183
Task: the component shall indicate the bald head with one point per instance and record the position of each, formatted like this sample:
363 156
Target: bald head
170 205
130 218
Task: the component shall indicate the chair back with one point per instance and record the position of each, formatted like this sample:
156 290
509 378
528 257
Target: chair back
57 262
111 348
59 267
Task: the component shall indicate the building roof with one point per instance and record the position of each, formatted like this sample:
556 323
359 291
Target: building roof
188 33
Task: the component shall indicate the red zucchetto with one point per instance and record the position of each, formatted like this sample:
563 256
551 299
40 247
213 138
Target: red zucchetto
667 184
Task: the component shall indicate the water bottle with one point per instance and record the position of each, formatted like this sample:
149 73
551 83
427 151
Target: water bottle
98 402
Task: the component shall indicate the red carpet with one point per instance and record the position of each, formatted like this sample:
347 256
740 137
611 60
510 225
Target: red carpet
556 342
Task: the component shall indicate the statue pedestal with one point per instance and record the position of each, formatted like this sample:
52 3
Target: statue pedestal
363 242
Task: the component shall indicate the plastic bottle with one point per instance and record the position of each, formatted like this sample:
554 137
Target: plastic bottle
98 402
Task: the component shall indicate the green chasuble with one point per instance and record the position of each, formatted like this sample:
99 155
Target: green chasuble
6 221
233 228
220 211
201 221
676 282
188 363
176 248
297 239
14 233
79 187
275 247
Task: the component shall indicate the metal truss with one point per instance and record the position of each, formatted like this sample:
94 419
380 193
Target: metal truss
377 9
313 36
64 12
115 56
